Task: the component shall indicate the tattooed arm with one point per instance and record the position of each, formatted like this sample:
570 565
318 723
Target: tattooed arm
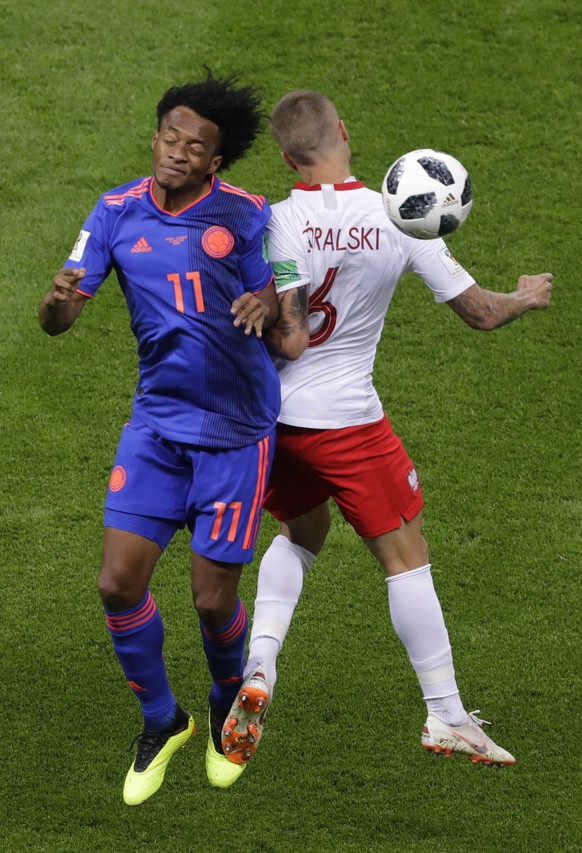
488 309
289 336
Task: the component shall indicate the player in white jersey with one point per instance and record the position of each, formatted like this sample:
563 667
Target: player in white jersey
337 260
337 241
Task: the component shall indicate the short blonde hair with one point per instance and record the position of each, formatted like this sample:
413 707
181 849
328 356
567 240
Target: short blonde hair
305 124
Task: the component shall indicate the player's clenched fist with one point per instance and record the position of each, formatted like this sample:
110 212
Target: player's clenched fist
537 289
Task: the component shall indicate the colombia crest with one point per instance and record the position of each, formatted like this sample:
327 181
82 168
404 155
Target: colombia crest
217 241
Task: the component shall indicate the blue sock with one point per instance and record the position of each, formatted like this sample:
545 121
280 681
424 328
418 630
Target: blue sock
225 653
138 639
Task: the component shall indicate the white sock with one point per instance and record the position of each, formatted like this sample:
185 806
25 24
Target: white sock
278 590
418 620
262 655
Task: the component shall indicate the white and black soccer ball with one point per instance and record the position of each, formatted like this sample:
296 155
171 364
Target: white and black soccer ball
427 193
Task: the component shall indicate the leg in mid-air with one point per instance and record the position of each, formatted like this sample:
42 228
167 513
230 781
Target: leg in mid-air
137 631
223 625
281 573
418 620
224 517
375 485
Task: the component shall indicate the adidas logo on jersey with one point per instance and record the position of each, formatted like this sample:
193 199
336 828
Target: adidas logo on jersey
142 245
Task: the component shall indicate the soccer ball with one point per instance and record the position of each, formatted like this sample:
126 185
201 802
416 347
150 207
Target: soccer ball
427 193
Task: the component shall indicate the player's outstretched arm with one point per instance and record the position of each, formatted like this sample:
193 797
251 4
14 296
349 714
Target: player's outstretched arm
289 337
488 309
61 306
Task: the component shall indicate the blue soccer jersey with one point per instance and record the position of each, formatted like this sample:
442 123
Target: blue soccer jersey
201 381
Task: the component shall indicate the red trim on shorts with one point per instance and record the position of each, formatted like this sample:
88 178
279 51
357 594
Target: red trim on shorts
255 514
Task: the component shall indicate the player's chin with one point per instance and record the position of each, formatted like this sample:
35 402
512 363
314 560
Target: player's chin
170 180
167 183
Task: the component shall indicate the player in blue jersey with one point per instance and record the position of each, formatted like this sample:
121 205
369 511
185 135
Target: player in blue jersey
188 253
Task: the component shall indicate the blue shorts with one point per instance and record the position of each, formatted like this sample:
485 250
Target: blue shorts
158 486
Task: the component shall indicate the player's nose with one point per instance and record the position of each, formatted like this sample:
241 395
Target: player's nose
178 152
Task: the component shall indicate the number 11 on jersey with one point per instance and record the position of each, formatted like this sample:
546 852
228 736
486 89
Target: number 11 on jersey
194 277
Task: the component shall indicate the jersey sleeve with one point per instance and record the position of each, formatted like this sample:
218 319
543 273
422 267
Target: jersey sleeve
92 250
255 267
285 250
433 262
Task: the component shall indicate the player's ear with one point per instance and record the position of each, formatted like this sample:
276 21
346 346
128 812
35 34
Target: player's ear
344 131
154 140
289 161
214 164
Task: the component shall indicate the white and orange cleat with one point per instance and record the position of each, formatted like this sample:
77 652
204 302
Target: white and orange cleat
468 738
244 723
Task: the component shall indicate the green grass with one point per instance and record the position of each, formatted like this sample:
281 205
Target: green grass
492 422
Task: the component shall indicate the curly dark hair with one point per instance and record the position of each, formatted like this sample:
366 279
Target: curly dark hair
236 110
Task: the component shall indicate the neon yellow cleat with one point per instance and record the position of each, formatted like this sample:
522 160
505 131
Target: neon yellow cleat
221 772
154 751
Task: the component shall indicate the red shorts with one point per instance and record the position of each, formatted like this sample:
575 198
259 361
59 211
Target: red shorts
365 469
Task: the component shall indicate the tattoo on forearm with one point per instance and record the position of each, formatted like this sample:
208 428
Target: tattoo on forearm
486 309
293 311
469 308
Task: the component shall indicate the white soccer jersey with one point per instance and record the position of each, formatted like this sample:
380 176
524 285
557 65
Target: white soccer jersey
338 240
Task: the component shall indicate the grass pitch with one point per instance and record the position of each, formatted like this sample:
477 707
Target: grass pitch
492 422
